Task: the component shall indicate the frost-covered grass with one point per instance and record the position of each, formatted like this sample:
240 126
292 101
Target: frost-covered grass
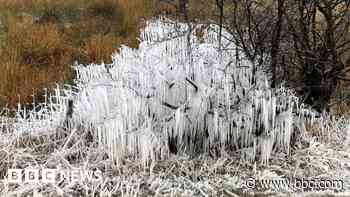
173 117
177 176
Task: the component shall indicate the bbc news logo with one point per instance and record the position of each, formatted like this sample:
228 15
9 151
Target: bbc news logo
52 175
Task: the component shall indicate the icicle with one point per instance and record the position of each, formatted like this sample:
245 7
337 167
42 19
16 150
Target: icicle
266 145
179 123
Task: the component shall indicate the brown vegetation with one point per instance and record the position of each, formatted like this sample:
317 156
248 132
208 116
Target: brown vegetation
40 39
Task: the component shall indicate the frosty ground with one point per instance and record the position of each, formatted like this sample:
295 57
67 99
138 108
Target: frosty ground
178 176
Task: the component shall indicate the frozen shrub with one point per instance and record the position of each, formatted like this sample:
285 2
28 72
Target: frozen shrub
158 96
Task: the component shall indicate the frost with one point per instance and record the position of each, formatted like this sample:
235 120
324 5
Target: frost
159 94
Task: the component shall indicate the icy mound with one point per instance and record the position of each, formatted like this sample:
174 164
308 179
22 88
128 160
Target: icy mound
186 97
176 93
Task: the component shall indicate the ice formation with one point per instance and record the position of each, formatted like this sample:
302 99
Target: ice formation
159 97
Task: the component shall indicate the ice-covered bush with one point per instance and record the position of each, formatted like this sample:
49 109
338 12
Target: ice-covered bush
163 97
170 95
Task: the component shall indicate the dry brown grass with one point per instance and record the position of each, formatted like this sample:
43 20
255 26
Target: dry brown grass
341 109
19 82
42 45
166 8
42 38
99 48
33 57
